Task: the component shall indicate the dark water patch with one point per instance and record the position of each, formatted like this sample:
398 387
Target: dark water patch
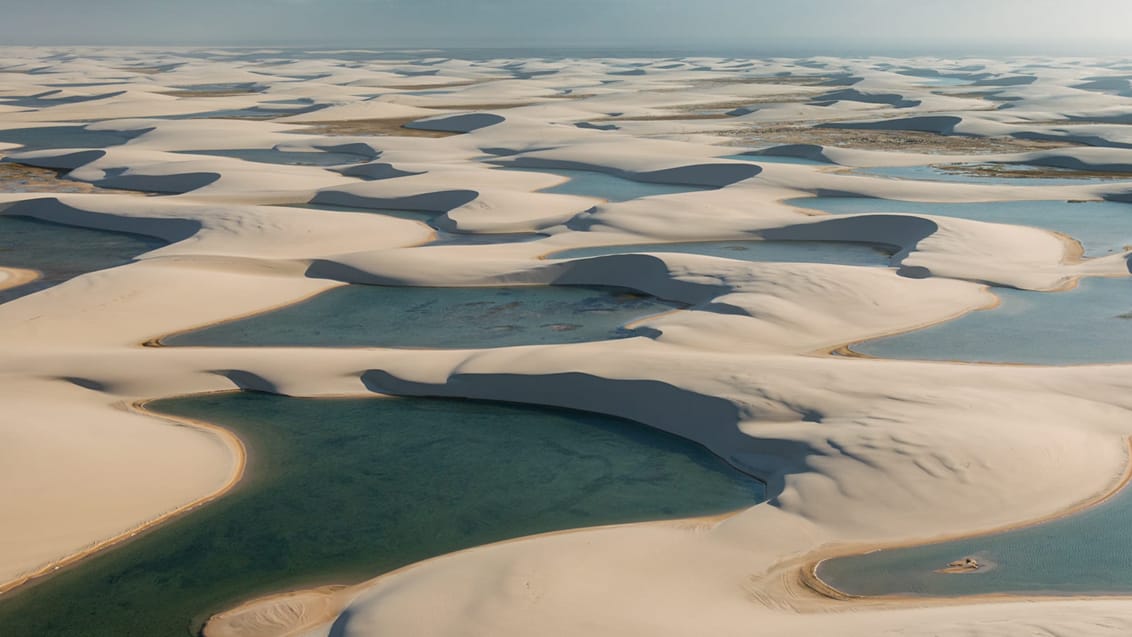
47 137
342 490
51 98
62 252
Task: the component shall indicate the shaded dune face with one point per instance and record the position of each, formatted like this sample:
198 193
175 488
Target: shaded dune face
360 315
844 304
428 202
458 123
703 175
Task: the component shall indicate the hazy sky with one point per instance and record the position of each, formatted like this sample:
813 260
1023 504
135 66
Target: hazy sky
788 26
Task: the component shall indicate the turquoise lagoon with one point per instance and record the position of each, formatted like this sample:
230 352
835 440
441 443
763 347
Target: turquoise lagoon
1087 553
1089 324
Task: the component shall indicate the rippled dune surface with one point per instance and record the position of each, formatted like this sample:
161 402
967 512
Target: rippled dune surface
727 326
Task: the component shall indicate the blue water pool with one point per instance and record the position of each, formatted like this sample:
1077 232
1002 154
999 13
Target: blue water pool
1089 324
1087 553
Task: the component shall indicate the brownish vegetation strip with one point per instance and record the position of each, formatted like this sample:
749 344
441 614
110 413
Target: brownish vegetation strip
912 141
21 178
1018 171
426 87
386 127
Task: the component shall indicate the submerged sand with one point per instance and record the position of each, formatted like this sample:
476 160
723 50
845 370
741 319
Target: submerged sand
15 277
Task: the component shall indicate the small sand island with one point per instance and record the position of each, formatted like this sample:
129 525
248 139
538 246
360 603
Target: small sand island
959 567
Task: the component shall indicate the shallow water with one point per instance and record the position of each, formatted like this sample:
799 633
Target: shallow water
379 316
341 490
1089 324
1087 553
1102 227
62 252
841 253
588 183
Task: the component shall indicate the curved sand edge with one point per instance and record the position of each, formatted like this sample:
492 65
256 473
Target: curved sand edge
239 454
809 577
160 341
291 613
845 350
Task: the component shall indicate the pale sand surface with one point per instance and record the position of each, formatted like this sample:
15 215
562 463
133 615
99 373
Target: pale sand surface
63 460
856 452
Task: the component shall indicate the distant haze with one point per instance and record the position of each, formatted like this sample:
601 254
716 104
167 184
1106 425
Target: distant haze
786 27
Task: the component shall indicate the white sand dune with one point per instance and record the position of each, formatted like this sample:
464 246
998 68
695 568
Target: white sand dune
855 452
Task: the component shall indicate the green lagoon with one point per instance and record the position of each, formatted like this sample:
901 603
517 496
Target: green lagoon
341 490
